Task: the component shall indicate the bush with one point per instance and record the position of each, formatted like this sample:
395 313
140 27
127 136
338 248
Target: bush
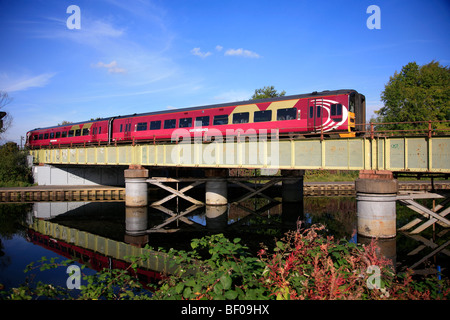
304 265
13 166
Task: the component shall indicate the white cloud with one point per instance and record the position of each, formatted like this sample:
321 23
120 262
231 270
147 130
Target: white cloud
242 52
219 48
24 82
112 67
197 52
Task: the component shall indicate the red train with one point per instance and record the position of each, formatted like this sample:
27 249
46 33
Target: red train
339 112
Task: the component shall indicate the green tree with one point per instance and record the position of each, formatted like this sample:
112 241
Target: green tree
416 93
267 92
13 166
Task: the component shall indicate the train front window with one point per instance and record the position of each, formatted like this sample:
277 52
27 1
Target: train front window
351 103
185 123
286 114
261 116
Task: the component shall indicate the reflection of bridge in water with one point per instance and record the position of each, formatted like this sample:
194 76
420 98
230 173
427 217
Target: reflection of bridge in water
105 234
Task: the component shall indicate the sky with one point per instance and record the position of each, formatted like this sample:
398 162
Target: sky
110 57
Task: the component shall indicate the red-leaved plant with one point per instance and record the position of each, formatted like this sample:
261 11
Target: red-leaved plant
307 265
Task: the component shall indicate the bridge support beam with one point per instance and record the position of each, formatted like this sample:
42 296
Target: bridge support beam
136 188
216 189
376 195
292 196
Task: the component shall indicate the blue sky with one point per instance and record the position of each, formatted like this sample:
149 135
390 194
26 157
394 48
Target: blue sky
139 56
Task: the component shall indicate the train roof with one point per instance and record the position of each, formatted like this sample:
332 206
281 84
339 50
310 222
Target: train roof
221 105
230 104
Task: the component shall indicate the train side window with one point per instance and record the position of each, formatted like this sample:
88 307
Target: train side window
99 130
141 126
169 124
77 132
261 116
318 111
94 131
52 135
71 133
155 125
311 112
35 137
41 136
85 132
58 135
220 119
185 123
240 117
64 134
336 109
287 114
45 136
202 121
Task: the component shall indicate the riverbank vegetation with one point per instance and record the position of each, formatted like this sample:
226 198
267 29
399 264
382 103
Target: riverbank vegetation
14 171
305 264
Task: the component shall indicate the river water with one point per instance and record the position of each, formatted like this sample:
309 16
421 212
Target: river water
99 234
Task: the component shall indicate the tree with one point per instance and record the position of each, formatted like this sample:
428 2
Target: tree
267 92
13 166
416 93
5 118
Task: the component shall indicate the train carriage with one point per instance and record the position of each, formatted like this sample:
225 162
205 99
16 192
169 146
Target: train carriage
339 113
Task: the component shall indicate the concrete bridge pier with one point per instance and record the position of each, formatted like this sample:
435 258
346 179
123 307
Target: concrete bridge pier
136 188
376 195
216 188
292 189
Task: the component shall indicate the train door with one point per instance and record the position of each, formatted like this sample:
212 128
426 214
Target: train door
127 131
315 114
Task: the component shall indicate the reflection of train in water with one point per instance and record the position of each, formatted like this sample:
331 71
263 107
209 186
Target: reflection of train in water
339 112
91 259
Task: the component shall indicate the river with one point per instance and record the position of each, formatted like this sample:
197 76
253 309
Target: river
100 233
